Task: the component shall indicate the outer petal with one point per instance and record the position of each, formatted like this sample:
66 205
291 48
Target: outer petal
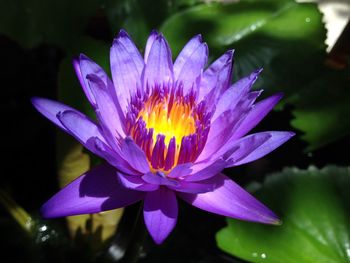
185 53
159 179
229 199
216 79
112 157
160 213
190 63
150 40
105 109
50 109
134 155
126 66
205 170
95 191
257 113
257 145
159 67
81 127
135 182
203 186
85 66
232 96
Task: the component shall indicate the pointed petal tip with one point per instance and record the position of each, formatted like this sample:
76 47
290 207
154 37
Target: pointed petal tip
153 32
199 37
122 33
277 222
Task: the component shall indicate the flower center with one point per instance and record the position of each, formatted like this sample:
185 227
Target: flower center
173 120
168 126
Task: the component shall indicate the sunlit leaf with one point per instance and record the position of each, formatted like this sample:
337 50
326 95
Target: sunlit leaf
314 207
283 37
322 109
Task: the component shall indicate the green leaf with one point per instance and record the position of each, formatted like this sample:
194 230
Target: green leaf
322 109
315 208
283 37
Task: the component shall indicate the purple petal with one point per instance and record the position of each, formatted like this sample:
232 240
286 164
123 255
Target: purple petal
150 40
159 68
216 79
257 145
186 53
220 132
180 170
106 110
190 63
81 127
203 186
95 191
257 113
135 182
134 155
50 109
85 66
233 95
160 213
159 178
112 157
205 170
126 66
230 200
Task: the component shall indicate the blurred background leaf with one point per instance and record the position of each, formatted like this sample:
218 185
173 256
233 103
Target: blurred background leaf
314 207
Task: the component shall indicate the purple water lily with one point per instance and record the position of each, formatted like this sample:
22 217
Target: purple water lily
166 130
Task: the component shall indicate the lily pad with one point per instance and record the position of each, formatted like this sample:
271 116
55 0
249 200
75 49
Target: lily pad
314 207
322 109
284 37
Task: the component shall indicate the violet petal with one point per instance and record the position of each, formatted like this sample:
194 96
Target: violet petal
95 191
160 213
126 67
159 68
230 200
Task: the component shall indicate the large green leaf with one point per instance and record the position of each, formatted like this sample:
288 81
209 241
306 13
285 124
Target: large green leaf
322 109
283 37
314 207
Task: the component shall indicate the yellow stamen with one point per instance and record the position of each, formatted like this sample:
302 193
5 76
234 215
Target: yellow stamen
177 121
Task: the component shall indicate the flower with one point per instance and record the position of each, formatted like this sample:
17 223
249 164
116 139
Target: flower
166 130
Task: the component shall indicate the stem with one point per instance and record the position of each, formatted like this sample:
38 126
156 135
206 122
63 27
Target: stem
17 212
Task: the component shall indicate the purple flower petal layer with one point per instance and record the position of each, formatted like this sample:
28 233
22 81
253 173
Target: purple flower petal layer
150 40
159 68
134 155
190 62
106 110
80 127
216 79
160 213
112 157
126 66
257 145
135 182
95 191
50 109
257 113
233 95
230 200
85 66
